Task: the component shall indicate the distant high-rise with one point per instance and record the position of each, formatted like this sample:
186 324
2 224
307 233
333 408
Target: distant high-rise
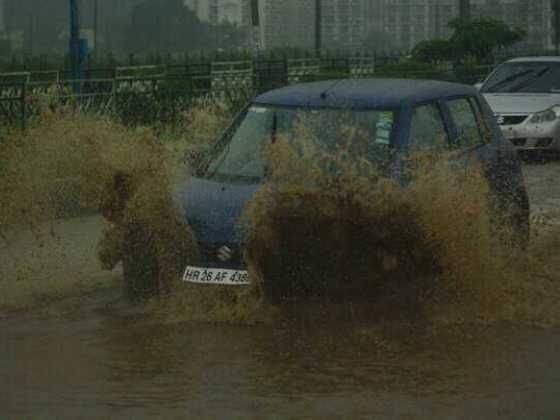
465 9
388 24
285 23
2 18
217 11
292 23
343 23
407 22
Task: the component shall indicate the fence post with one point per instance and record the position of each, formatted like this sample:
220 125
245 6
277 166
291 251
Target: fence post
23 109
115 97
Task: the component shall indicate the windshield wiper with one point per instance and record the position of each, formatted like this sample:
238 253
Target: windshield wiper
530 80
509 79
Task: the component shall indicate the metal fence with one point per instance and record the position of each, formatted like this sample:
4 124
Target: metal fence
161 93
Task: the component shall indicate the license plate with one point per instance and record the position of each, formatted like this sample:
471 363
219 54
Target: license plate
216 276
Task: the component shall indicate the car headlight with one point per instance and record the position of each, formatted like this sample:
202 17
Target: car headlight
549 115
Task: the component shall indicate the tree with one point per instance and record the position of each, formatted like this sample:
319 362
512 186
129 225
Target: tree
170 27
472 40
162 26
480 38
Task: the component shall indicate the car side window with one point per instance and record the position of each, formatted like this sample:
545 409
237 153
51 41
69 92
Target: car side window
427 129
469 133
482 120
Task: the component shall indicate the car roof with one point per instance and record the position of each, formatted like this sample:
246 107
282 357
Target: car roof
363 93
551 59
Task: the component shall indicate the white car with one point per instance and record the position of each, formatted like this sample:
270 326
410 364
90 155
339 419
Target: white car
524 94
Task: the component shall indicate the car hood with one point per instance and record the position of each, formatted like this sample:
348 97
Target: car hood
213 209
521 103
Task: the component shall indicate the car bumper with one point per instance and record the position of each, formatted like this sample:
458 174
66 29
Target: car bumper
219 264
533 137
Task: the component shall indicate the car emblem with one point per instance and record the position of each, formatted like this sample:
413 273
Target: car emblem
225 254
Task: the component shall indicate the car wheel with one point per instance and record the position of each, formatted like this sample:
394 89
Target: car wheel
140 263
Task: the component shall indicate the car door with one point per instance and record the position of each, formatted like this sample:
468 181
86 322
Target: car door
469 134
451 128
472 140
477 142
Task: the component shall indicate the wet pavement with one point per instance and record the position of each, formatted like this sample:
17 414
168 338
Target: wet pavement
109 364
544 188
100 357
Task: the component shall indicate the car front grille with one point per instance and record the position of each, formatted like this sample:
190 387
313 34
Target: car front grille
538 143
544 142
511 119
519 142
209 254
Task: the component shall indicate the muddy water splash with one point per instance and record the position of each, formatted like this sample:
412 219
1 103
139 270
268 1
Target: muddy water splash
69 164
107 358
328 226
427 252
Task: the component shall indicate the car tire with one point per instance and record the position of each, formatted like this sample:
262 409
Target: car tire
141 271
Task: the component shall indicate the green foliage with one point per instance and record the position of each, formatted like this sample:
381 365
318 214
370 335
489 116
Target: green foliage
479 38
169 27
472 40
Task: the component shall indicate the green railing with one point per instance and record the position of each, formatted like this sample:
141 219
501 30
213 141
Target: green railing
140 95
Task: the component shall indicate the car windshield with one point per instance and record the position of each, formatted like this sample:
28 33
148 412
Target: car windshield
241 155
530 77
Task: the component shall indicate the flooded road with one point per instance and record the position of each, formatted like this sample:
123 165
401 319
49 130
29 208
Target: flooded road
108 364
98 356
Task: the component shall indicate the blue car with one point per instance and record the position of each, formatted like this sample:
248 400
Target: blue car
403 116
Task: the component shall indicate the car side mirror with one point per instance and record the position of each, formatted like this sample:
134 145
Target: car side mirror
193 157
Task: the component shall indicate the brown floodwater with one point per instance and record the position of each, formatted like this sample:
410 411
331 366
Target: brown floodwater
108 361
97 356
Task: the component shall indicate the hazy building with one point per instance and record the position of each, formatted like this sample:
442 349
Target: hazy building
282 23
217 11
2 18
200 7
231 11
408 22
374 14
343 23
389 24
